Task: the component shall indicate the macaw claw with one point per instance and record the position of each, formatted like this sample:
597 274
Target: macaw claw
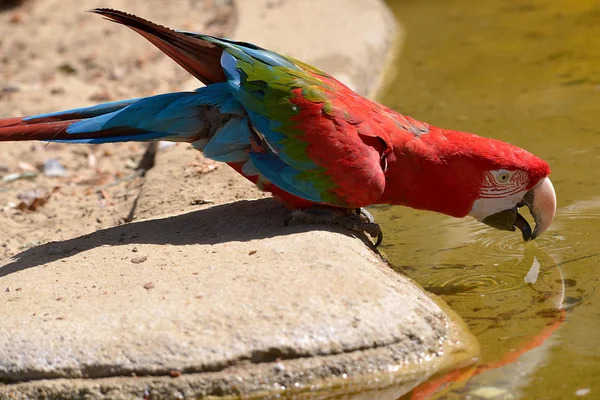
360 220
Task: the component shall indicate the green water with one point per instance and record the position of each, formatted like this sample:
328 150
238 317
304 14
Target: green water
527 72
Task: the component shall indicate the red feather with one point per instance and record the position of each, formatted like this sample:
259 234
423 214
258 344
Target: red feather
199 58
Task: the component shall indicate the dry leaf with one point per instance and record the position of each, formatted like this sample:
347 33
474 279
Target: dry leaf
32 200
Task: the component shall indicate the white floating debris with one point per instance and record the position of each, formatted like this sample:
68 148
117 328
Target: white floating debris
533 273
491 392
53 168
582 392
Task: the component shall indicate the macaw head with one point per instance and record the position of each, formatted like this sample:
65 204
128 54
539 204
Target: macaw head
462 174
509 178
504 190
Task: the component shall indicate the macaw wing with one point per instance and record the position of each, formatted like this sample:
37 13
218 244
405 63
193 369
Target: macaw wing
296 116
307 125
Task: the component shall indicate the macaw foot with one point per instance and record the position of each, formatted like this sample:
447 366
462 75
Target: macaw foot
358 220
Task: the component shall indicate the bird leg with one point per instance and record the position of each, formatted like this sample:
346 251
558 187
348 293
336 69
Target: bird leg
357 220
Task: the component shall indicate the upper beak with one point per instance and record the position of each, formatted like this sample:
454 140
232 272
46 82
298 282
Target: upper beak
541 201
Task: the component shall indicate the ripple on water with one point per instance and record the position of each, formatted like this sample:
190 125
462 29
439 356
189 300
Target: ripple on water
583 209
475 283
501 245
504 262
496 244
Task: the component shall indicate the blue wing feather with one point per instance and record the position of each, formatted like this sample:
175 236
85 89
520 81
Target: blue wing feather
140 137
285 177
84 112
230 143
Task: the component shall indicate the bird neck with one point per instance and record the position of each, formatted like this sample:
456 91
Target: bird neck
429 171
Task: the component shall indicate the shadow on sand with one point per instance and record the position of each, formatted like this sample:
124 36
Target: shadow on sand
239 221
7 5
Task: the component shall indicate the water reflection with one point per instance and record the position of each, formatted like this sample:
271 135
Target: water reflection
514 306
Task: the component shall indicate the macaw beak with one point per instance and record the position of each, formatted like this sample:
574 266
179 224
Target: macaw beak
541 201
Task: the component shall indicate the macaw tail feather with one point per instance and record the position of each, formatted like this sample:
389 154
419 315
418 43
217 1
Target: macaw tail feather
17 129
199 57
209 118
58 131
96 124
55 126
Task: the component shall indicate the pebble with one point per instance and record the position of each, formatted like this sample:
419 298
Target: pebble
139 260
53 168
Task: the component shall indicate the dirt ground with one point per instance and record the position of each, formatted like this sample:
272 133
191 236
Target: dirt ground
54 56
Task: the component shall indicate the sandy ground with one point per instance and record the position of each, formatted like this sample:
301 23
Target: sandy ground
54 56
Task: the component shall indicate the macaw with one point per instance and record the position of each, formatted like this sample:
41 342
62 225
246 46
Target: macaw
319 147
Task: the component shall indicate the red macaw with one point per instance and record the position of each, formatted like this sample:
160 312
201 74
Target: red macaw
315 144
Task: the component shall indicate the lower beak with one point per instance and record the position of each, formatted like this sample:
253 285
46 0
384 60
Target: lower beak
541 201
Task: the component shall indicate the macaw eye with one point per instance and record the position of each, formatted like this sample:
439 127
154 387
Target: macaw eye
503 177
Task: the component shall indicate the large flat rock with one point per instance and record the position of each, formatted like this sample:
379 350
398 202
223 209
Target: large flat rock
221 299
227 284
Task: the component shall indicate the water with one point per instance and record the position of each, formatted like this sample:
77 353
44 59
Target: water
527 72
